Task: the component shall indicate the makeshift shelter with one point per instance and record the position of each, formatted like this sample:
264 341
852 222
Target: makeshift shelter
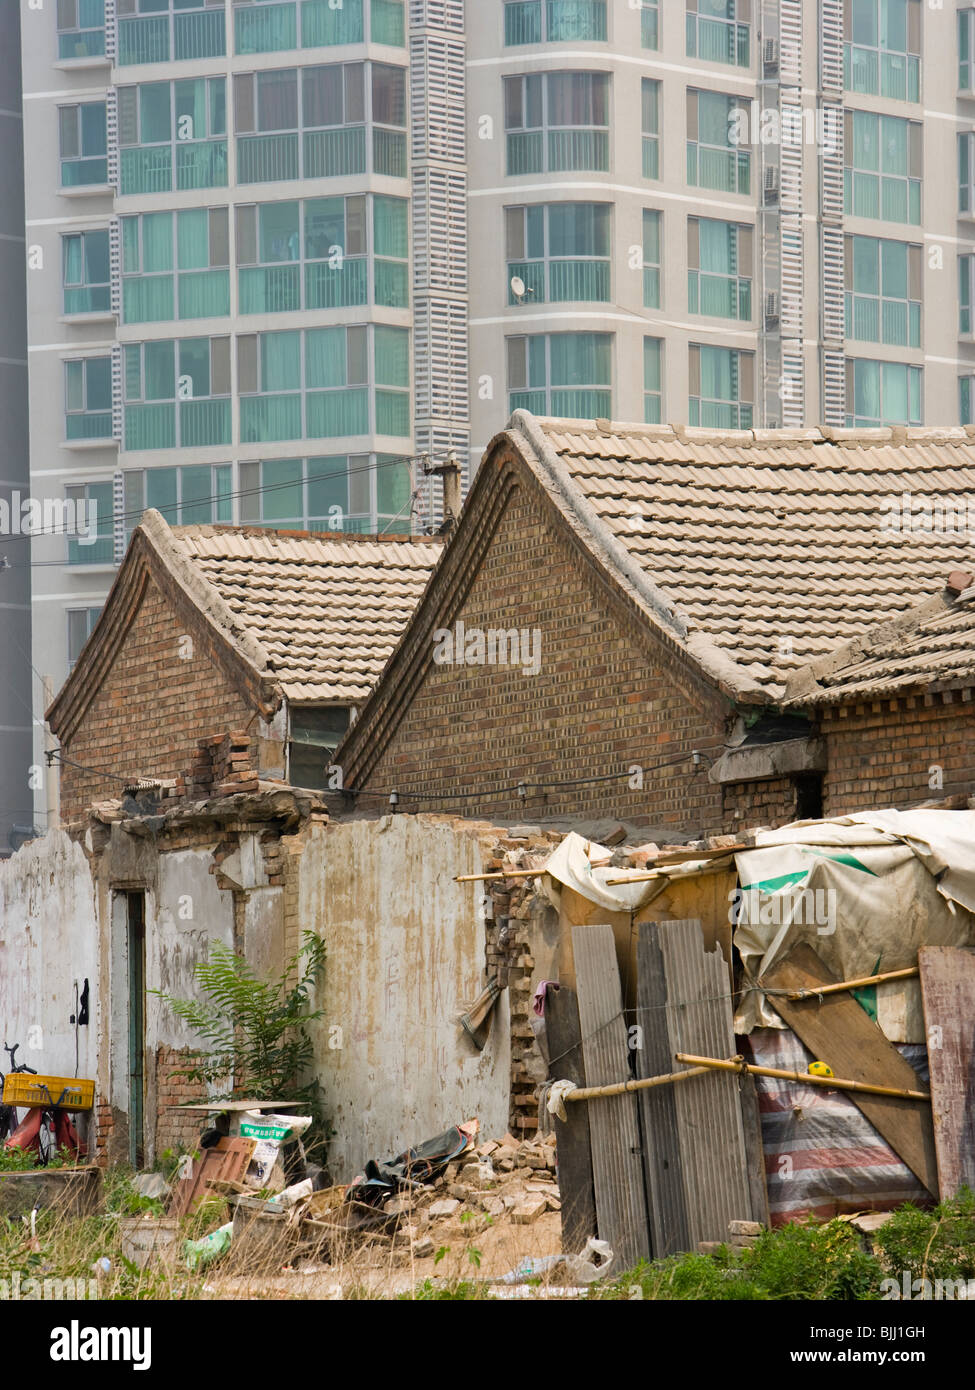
794 912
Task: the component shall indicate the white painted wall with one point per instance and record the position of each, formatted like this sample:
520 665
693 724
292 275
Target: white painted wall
48 943
405 957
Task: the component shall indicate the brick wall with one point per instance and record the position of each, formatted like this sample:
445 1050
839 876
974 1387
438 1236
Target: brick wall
608 695
175 1129
887 753
750 804
151 707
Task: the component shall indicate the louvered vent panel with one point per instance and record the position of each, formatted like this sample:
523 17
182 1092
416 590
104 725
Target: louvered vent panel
834 388
437 14
790 42
831 45
441 360
111 31
790 166
115 265
791 313
793 392
118 517
437 98
111 135
833 283
440 231
117 408
831 161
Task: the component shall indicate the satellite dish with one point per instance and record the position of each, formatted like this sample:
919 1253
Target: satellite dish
517 287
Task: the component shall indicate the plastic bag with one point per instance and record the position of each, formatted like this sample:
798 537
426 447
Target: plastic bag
210 1248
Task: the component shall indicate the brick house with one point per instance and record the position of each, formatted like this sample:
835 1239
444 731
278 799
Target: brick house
278 636
629 622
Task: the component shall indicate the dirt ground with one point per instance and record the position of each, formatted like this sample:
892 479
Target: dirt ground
387 1272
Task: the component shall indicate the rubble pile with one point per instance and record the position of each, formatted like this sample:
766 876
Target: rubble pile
501 1181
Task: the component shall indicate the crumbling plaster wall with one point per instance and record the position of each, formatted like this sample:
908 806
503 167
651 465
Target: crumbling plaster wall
406 956
48 944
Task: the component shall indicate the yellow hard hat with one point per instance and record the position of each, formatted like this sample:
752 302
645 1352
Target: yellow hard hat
820 1069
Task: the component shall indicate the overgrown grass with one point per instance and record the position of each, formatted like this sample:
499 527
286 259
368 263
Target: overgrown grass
807 1261
816 1261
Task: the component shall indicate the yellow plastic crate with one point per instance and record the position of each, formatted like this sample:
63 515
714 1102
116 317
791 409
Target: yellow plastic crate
23 1089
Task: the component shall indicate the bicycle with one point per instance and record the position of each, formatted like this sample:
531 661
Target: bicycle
45 1129
8 1113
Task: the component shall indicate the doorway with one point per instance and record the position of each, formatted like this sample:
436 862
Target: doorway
135 951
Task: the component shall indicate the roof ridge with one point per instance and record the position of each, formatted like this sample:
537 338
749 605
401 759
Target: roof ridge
823 434
341 537
720 667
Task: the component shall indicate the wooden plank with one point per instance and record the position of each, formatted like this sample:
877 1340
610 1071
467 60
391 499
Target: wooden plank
669 1227
840 1033
751 1119
948 996
227 1161
575 1158
713 1161
621 1209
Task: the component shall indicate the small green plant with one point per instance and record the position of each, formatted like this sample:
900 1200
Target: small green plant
255 1031
17 1160
937 1244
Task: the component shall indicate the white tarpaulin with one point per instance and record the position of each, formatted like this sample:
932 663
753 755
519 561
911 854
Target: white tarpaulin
865 891
571 863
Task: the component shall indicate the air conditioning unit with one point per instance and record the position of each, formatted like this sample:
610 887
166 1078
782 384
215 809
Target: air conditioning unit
770 183
770 56
771 309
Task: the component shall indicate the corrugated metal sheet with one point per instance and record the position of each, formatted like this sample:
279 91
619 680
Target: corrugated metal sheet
696 1005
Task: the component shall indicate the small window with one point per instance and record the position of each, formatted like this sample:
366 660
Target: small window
81 29
84 144
85 270
315 733
81 624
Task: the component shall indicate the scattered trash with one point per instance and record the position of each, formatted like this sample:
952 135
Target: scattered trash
203 1252
145 1238
152 1185
102 1267
423 1164
571 1269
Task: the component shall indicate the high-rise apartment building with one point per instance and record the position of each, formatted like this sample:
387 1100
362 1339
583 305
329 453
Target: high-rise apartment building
17 773
280 251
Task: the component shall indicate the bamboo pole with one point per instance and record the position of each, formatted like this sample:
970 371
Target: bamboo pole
833 1082
853 984
620 1088
637 878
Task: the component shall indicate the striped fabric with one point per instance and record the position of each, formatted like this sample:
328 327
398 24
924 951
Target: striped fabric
822 1157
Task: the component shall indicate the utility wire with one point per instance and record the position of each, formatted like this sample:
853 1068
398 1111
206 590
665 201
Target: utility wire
265 488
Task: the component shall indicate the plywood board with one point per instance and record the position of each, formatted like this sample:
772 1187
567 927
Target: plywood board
837 1031
621 1209
575 1159
948 995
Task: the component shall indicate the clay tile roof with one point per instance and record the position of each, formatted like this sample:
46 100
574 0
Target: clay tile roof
774 545
933 645
325 611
